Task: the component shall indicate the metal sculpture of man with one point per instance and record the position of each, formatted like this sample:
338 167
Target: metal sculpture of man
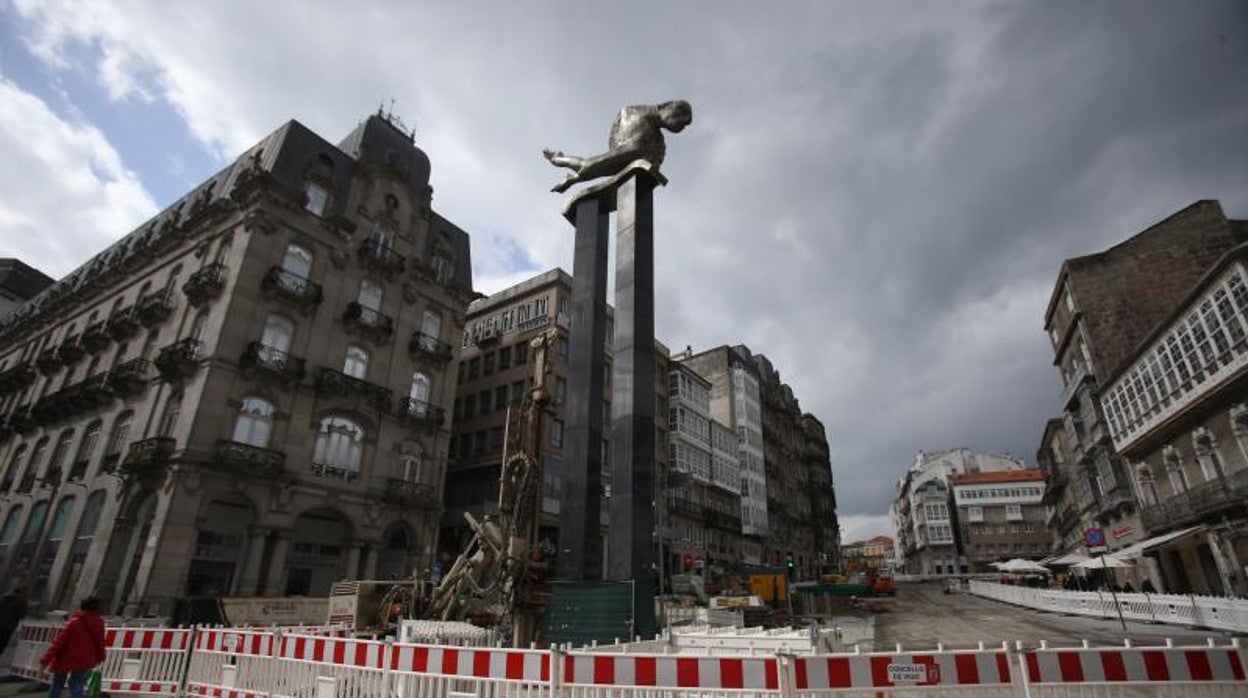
637 134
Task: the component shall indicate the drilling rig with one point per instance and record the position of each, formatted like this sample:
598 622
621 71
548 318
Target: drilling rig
496 574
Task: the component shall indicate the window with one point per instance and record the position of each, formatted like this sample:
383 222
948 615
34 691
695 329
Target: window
500 398
431 328
356 362
119 437
9 532
975 513
339 447
254 423
474 368
277 333
561 347
370 294
556 433
15 462
483 401
487 364
561 390
504 358
496 439
60 452
1013 512
420 388
317 196
470 406
173 410
86 450
522 353
297 261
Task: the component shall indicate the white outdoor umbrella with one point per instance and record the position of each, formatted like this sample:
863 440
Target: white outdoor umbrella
1097 563
1068 560
1018 564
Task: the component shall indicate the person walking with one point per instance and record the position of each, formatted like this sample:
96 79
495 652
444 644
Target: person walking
78 647
12 611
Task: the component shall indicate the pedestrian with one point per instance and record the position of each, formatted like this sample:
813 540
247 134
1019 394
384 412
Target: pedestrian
78 648
1127 588
1147 587
12 611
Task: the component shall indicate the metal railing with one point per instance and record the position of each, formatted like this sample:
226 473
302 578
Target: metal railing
1199 502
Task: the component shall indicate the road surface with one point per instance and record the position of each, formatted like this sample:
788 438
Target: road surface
921 616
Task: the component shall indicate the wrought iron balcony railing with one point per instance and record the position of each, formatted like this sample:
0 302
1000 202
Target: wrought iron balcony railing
123 324
205 284
368 320
17 378
292 288
430 347
71 351
21 420
130 378
179 360
148 457
95 337
1206 501
421 412
336 472
410 494
263 360
155 307
245 459
332 382
49 361
376 254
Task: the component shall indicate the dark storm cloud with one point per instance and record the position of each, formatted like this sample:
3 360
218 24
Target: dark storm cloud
877 196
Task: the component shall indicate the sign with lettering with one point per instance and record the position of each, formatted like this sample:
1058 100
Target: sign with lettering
914 674
1123 532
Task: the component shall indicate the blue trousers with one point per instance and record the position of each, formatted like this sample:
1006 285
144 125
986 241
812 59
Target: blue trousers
77 684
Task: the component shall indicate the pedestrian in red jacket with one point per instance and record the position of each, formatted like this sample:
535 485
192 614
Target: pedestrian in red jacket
78 647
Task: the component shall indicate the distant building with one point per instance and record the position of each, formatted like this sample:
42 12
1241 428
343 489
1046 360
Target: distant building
871 555
246 395
924 513
1177 411
19 283
1000 516
1103 307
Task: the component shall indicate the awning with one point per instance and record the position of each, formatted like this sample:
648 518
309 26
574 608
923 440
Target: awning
1137 549
1067 560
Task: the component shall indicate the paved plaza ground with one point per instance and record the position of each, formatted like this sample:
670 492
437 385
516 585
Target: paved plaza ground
922 615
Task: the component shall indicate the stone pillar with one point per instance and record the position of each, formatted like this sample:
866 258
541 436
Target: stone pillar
580 546
276 577
370 561
249 577
353 559
632 426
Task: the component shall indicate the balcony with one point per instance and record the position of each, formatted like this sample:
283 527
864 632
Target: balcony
1079 375
244 459
724 520
71 351
409 494
1208 501
532 323
687 508
263 361
1114 501
154 308
335 472
53 407
376 325
21 420
330 382
376 254
205 284
91 392
421 412
148 457
95 337
123 324
292 288
429 347
179 360
129 378
49 361
16 378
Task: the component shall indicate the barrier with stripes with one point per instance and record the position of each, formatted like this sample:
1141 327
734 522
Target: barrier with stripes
31 640
433 670
587 675
147 661
949 673
1211 670
231 663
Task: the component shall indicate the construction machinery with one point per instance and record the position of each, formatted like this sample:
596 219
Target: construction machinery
495 579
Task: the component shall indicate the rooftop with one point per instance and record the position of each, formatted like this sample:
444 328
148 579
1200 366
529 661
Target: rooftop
1028 475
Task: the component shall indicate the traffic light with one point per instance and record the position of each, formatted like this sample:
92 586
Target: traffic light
789 563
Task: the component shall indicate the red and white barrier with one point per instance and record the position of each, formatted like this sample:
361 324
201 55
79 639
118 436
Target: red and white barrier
307 666
587 675
30 641
1207 669
231 663
148 661
433 670
952 673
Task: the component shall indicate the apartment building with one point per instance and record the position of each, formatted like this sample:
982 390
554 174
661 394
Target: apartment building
245 395
19 282
1001 516
1103 306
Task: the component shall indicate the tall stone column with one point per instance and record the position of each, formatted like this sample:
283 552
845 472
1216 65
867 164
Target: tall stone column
580 543
632 539
249 579
276 577
370 561
353 560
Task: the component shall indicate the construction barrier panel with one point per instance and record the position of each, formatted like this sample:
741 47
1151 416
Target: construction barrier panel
1143 671
31 640
231 663
588 675
425 671
950 673
145 661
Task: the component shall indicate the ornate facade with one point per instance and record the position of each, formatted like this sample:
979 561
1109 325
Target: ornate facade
246 395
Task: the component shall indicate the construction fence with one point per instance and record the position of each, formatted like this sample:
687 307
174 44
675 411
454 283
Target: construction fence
306 663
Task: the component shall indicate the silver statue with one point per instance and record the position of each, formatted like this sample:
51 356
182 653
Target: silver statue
637 134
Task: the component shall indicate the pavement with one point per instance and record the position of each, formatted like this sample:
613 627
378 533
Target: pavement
922 615
13 686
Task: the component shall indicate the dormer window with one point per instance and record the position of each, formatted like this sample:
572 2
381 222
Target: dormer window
316 196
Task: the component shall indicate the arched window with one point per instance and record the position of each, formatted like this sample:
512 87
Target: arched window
317 197
119 437
430 330
339 447
81 545
420 387
297 261
356 363
277 333
9 532
59 454
255 420
223 250
197 325
10 473
86 450
172 281
173 410
32 467
370 294
52 545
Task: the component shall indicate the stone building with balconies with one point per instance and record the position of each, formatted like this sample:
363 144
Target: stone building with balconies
1000 516
1177 411
244 395
1102 307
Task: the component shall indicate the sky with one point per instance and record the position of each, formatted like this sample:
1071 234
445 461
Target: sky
876 195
